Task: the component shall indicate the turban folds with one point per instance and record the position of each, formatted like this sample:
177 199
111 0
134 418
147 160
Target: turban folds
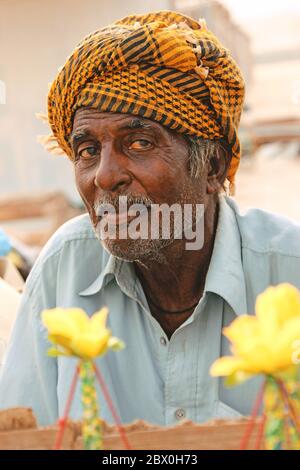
163 66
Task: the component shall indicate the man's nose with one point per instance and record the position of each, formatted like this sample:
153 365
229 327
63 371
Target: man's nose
111 175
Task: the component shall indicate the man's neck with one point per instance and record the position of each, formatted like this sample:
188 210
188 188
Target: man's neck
178 283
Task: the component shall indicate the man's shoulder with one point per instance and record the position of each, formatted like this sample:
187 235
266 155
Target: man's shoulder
74 246
267 232
77 229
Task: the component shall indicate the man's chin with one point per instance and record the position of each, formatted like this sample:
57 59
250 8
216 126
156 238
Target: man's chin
135 250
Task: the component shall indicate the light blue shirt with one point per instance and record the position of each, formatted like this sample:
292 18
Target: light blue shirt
154 379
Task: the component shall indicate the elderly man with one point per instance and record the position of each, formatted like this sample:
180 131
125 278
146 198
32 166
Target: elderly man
148 108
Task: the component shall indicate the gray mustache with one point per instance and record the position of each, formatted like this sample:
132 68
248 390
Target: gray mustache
114 201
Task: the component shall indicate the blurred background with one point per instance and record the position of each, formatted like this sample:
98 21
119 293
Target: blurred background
37 190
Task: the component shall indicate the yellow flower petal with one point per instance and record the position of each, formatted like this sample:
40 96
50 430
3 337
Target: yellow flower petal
78 317
247 344
242 327
90 345
277 305
61 340
264 343
64 322
115 344
98 320
226 365
256 356
284 350
232 368
79 335
237 377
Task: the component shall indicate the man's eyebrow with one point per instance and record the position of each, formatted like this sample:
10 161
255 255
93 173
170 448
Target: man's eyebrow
137 123
78 135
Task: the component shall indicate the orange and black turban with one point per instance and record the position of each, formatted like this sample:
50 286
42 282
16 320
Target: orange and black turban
164 66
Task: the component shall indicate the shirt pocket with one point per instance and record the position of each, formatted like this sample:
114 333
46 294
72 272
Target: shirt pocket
221 410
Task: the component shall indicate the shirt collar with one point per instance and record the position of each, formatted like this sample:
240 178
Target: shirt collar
115 268
225 275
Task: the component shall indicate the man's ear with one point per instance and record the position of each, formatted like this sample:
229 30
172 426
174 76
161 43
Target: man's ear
217 170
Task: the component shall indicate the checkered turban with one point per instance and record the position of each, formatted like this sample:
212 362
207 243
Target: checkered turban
163 66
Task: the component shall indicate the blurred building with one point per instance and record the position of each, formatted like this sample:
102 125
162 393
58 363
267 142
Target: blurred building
35 39
276 84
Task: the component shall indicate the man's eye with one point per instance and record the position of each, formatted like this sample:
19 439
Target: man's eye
88 152
140 144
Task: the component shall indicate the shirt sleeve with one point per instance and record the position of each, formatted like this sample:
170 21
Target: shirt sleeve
28 376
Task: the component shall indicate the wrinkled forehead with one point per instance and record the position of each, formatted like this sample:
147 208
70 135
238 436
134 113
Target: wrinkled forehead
88 114
87 120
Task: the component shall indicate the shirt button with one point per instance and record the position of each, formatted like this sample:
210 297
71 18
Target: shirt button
163 341
179 414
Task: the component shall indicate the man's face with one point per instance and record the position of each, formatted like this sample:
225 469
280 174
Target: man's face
124 155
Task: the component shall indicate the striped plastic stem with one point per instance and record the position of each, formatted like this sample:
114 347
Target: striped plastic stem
91 423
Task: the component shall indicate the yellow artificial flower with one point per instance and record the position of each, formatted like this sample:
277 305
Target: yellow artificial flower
76 334
264 343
